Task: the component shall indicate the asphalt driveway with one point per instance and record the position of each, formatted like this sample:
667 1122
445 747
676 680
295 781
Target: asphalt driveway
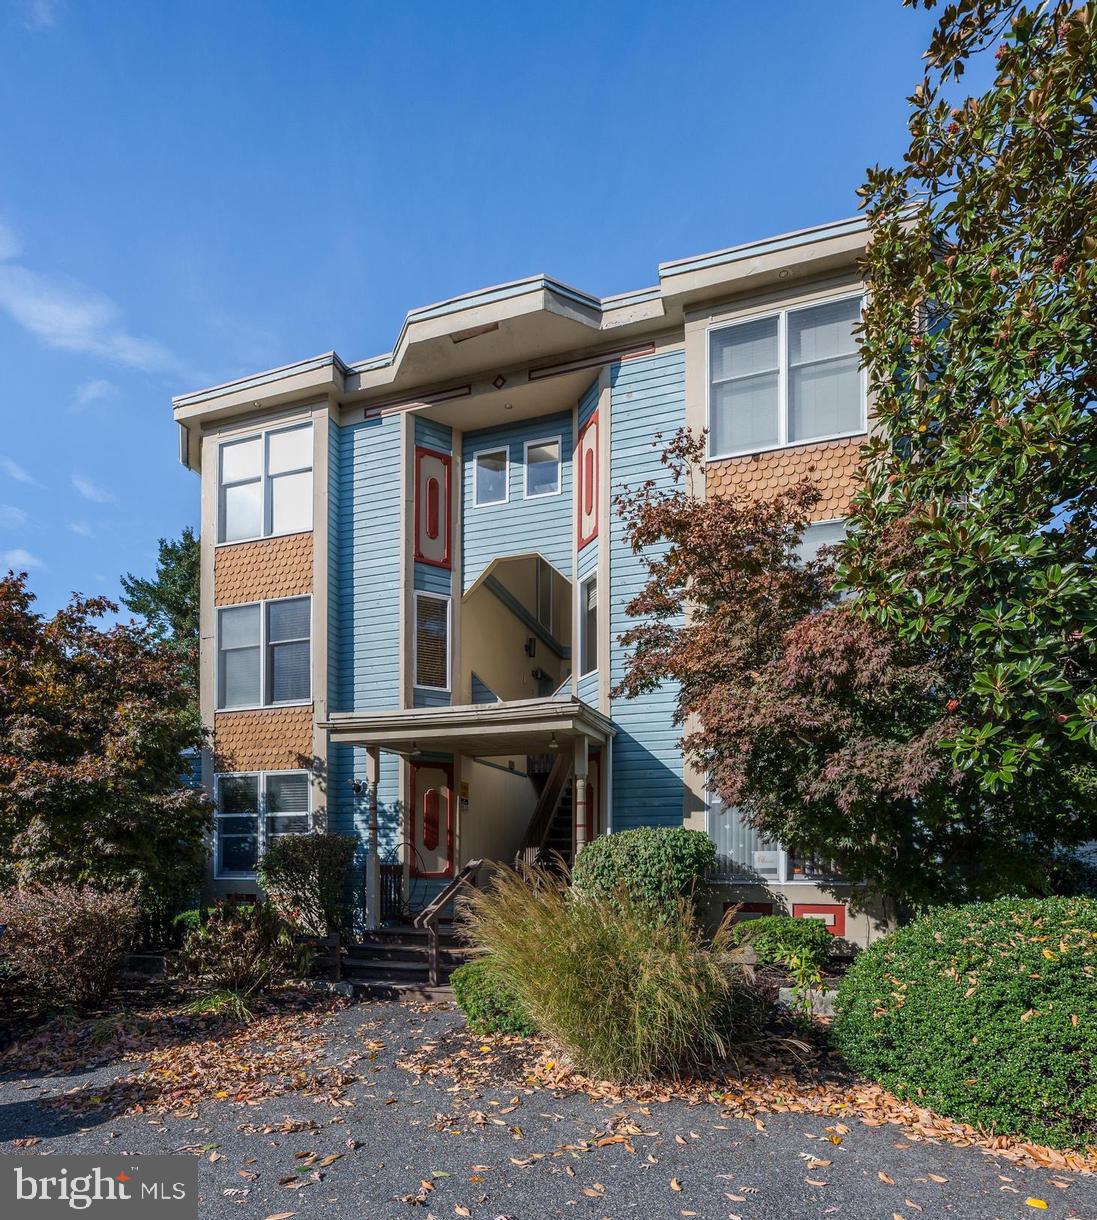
392 1145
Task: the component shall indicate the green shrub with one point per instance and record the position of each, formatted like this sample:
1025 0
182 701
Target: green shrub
627 999
774 937
304 876
985 1013
655 865
489 1005
242 947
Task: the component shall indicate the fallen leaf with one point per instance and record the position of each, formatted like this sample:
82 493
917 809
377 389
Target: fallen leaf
885 1179
1036 1202
936 1177
675 1184
281 1216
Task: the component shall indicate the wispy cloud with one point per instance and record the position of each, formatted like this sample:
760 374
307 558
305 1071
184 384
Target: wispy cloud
12 518
20 560
39 14
10 245
91 491
16 472
68 315
98 389
82 528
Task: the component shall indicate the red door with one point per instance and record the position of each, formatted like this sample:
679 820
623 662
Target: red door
432 819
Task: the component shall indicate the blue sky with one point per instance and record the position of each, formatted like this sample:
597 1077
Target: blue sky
197 189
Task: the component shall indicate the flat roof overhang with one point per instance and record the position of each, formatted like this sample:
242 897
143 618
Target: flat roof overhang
524 726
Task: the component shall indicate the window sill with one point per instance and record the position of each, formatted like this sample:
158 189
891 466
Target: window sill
262 707
815 440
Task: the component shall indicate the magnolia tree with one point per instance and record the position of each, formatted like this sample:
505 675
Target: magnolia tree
94 722
973 537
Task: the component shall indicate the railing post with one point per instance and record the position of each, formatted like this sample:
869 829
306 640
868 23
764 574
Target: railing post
373 863
435 973
582 765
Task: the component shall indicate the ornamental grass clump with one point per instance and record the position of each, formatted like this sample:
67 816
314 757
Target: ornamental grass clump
986 1013
627 998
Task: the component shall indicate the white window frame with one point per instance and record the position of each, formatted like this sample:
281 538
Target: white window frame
437 597
261 817
543 495
782 316
477 454
264 660
265 480
541 565
783 875
582 632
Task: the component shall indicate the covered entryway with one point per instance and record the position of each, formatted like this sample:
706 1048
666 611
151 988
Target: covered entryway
470 785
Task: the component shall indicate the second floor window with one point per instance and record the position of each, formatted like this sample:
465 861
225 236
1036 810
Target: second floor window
431 642
542 468
264 653
785 379
265 484
489 475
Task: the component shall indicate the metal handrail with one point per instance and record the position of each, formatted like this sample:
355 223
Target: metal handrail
428 917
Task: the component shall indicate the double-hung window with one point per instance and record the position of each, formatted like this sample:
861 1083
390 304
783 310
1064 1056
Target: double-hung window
542 468
431 642
265 484
264 653
253 809
490 477
785 379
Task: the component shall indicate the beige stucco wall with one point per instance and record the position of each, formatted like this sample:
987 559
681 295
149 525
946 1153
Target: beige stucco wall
501 804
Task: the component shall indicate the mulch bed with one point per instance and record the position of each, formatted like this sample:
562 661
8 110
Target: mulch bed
776 1075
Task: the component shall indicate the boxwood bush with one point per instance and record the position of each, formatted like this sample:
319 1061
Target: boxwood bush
772 937
984 1013
489 1004
655 865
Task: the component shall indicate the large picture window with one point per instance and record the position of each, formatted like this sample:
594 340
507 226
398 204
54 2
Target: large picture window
431 642
264 653
784 379
265 484
253 809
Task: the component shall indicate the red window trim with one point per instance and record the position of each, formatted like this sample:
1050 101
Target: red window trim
422 451
447 768
588 488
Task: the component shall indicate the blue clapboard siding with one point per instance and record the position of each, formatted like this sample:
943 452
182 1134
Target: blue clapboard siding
588 566
429 579
647 396
482 693
432 435
364 619
520 526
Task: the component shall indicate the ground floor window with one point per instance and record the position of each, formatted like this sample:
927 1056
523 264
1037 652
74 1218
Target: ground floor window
744 855
252 809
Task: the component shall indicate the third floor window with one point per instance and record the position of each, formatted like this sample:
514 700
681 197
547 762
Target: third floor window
265 484
785 379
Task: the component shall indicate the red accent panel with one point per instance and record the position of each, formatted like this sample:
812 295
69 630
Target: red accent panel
749 908
587 474
432 509
447 461
430 819
833 915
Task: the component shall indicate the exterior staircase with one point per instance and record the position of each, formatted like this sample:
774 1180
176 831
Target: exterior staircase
559 838
393 963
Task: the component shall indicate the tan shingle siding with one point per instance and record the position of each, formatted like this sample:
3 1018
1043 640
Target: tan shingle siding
272 567
267 739
764 475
